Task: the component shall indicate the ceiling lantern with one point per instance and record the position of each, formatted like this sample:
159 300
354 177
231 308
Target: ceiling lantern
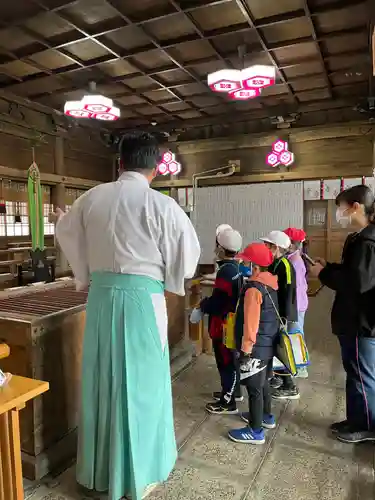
242 84
168 164
280 155
93 106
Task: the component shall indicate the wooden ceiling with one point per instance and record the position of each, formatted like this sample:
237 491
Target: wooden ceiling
152 56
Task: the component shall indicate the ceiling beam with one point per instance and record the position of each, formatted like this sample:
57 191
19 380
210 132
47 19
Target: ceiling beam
318 46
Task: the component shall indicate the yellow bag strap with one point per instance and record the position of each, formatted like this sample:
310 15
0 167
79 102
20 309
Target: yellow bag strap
288 271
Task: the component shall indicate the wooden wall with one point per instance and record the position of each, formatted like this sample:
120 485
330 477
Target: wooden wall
321 152
83 156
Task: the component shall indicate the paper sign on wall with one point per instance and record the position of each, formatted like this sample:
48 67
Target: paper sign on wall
348 183
311 190
332 188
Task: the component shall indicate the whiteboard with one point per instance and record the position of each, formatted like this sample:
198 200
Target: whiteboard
252 209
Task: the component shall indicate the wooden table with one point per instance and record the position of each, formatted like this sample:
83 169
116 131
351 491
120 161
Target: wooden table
13 398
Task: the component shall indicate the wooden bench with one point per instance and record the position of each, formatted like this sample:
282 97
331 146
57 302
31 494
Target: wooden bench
13 398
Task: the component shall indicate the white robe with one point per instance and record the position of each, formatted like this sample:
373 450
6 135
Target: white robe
127 227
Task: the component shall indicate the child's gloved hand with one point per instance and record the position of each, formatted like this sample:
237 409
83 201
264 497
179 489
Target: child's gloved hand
196 315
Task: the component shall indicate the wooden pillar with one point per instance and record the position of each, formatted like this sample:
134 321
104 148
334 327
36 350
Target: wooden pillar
58 197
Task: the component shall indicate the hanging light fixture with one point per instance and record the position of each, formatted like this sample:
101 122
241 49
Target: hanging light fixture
280 155
168 164
242 84
93 106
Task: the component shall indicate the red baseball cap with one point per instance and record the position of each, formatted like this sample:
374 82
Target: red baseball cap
295 234
258 254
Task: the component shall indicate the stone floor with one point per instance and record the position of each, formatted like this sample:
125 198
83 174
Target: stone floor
300 460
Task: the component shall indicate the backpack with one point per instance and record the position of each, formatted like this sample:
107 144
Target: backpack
229 323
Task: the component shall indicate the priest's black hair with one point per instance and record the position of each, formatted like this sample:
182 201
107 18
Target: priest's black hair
139 151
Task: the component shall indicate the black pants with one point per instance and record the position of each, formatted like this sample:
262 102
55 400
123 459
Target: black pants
358 358
258 390
227 366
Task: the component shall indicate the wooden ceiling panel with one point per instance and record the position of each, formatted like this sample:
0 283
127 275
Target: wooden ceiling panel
176 106
354 41
91 11
293 52
140 82
51 59
19 69
208 67
141 10
158 95
117 68
263 9
350 61
14 38
153 56
248 105
206 101
231 42
171 27
128 38
48 84
193 89
349 77
48 24
351 17
195 50
316 82
216 110
218 16
313 95
10 12
290 30
187 115
149 111
152 59
131 100
304 69
173 76
87 50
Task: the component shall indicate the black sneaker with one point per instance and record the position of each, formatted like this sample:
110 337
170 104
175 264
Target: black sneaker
340 427
355 437
276 382
218 395
220 408
282 393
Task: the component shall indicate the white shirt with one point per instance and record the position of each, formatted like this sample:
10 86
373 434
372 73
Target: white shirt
127 227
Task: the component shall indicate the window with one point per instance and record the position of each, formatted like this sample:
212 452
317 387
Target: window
67 208
15 209
49 228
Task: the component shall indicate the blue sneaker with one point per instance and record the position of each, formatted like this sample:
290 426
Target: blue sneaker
247 436
269 421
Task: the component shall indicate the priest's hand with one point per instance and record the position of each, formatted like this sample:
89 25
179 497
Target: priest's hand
53 217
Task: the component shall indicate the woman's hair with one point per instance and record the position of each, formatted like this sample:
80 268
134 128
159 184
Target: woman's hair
359 194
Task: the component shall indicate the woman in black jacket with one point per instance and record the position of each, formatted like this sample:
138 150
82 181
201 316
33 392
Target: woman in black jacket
353 312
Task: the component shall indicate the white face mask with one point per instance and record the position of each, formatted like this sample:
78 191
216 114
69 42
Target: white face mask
342 219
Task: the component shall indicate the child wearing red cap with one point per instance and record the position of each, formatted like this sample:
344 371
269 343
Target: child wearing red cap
257 327
297 237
